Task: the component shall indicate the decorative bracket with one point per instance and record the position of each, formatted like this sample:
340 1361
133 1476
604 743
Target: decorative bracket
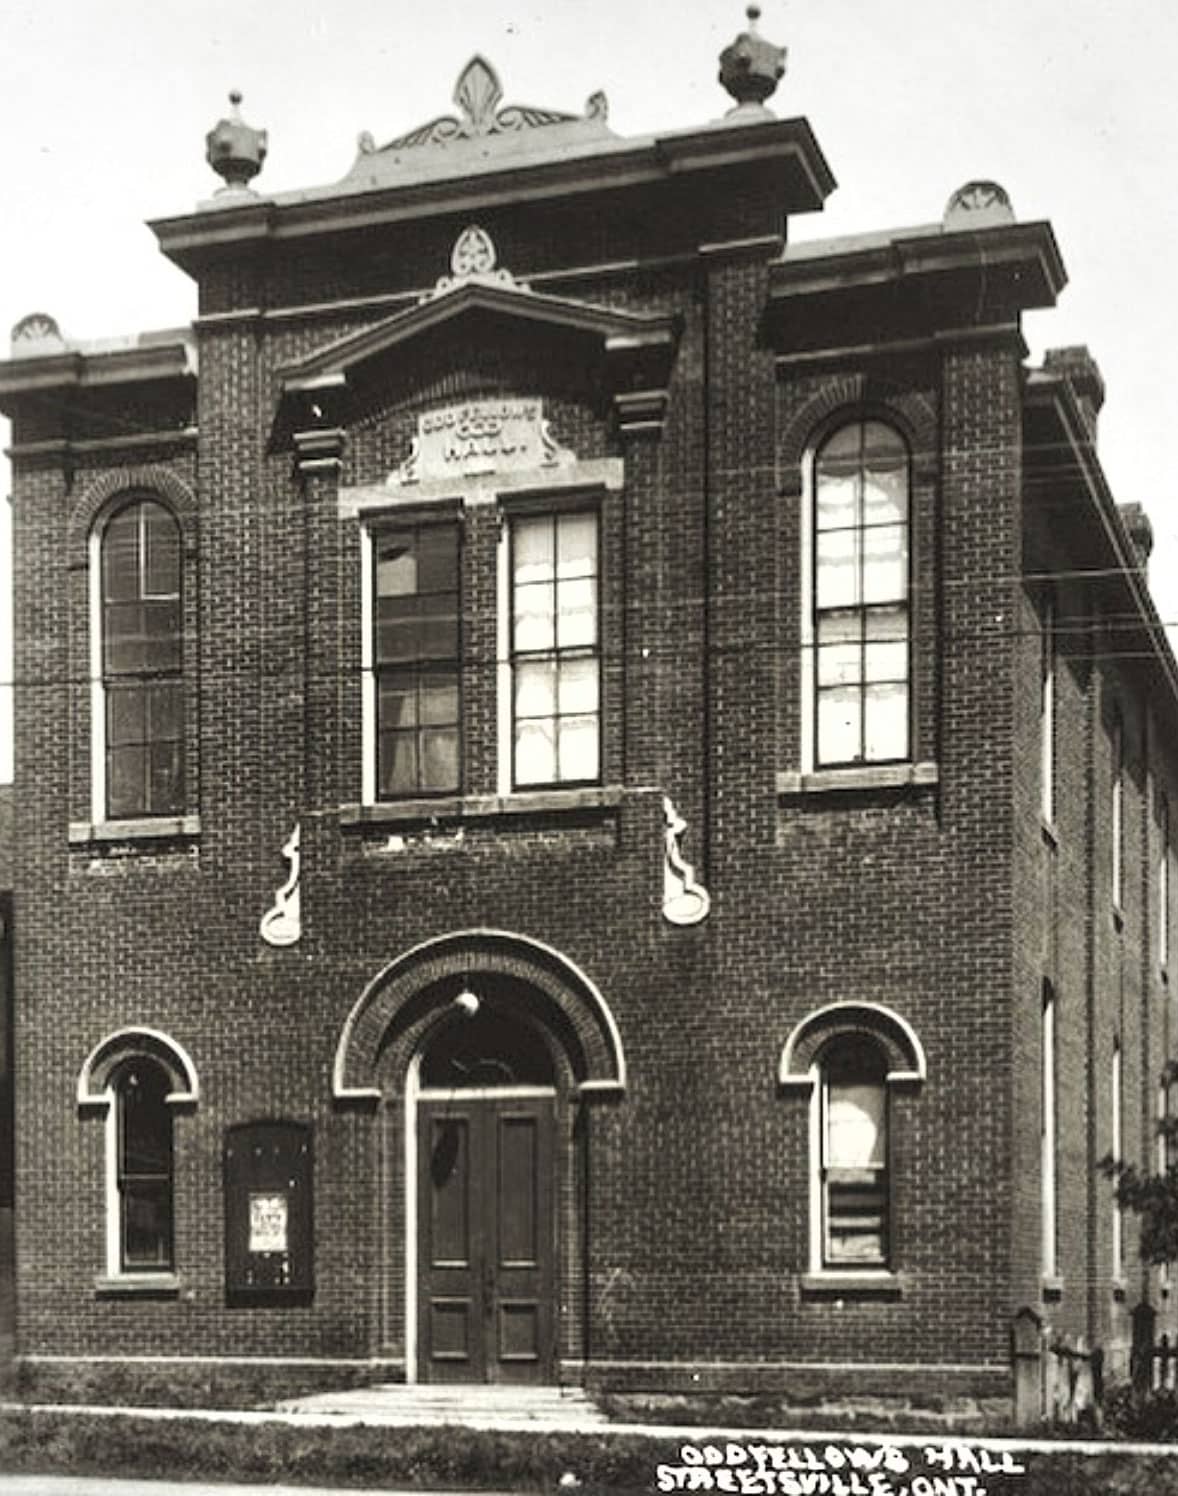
282 924
685 902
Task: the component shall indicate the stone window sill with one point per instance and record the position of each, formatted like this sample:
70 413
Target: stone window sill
858 778
138 1286
861 1285
1051 1287
481 807
144 829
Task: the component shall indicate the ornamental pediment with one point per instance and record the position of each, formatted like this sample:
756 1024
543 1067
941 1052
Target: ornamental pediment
476 282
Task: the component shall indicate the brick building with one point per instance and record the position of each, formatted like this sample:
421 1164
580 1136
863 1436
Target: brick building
592 786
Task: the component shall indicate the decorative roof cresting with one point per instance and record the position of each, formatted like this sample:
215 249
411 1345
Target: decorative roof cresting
481 125
235 150
751 67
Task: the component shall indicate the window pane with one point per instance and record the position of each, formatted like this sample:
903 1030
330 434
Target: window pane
839 725
438 694
886 721
437 565
578 748
397 703
147 1224
397 769
396 566
438 629
145 1121
123 639
439 758
577 686
165 711
534 623
856 1215
162 544
839 664
125 715
535 688
532 550
126 791
161 630
885 496
535 752
120 557
885 563
166 791
398 636
837 493
576 548
885 662
577 621
855 1126
836 580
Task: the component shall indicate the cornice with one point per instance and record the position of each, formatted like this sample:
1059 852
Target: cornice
1055 397
82 369
1027 248
790 144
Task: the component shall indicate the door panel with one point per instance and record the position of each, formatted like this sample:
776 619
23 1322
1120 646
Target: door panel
487 1249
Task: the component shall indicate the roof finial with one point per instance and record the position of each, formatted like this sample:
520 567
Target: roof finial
235 150
751 67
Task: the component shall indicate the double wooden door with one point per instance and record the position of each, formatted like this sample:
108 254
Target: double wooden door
486 1236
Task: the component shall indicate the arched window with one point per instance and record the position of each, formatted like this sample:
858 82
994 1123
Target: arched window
853 1123
138 729
141 1236
859 591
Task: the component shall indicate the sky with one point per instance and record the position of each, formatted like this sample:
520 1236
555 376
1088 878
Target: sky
104 106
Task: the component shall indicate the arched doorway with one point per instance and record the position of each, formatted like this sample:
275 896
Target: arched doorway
486 1182
484 1052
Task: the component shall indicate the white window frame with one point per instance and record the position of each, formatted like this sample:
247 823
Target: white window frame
98 769
819 1209
116 1271
808 676
1049 1138
1164 883
540 504
1047 712
1118 1223
1117 812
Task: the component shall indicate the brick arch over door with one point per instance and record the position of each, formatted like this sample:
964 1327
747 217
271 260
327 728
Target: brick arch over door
566 1001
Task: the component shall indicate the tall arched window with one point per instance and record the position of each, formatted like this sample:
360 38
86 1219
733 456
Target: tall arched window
853 1121
139 706
860 596
141 1214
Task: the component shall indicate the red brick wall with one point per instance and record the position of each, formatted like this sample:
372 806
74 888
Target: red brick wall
932 900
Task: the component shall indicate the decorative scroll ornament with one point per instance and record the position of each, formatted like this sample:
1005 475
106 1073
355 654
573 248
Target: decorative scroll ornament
473 261
685 902
478 93
282 924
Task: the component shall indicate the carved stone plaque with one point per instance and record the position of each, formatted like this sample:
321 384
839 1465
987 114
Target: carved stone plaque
480 436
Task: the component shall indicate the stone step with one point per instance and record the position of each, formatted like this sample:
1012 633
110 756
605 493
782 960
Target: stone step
475 1405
